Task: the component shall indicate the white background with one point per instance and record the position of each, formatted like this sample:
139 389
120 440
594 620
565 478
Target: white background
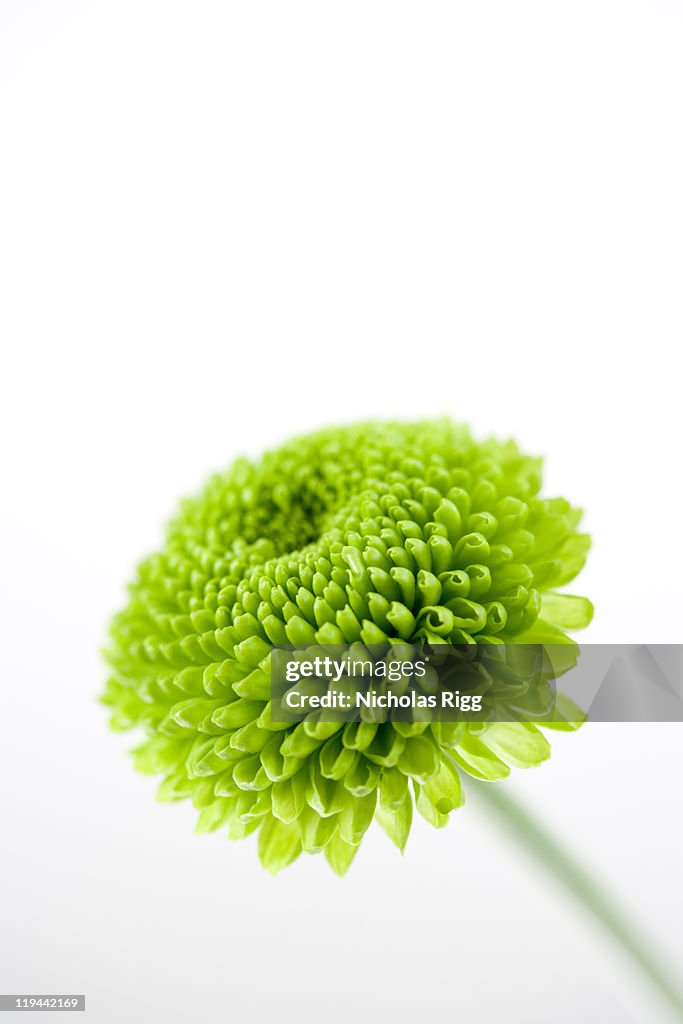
225 223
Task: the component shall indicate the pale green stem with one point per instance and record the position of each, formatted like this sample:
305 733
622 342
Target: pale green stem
561 864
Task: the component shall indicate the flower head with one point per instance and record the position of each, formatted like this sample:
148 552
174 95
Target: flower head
370 533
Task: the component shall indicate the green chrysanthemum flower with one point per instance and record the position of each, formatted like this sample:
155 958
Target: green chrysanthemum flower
371 533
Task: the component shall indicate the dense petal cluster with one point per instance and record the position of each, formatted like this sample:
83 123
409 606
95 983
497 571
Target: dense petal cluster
370 533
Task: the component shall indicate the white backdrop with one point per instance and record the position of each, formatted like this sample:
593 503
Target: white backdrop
225 223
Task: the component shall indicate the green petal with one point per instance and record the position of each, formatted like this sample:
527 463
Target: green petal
278 844
289 796
315 831
396 823
233 716
336 759
255 686
340 854
386 748
325 796
543 633
478 761
427 810
355 820
393 788
175 787
567 716
363 778
161 754
444 789
566 610
517 743
420 759
241 829
215 815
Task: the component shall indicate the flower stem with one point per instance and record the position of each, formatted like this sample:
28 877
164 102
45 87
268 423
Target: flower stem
560 864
